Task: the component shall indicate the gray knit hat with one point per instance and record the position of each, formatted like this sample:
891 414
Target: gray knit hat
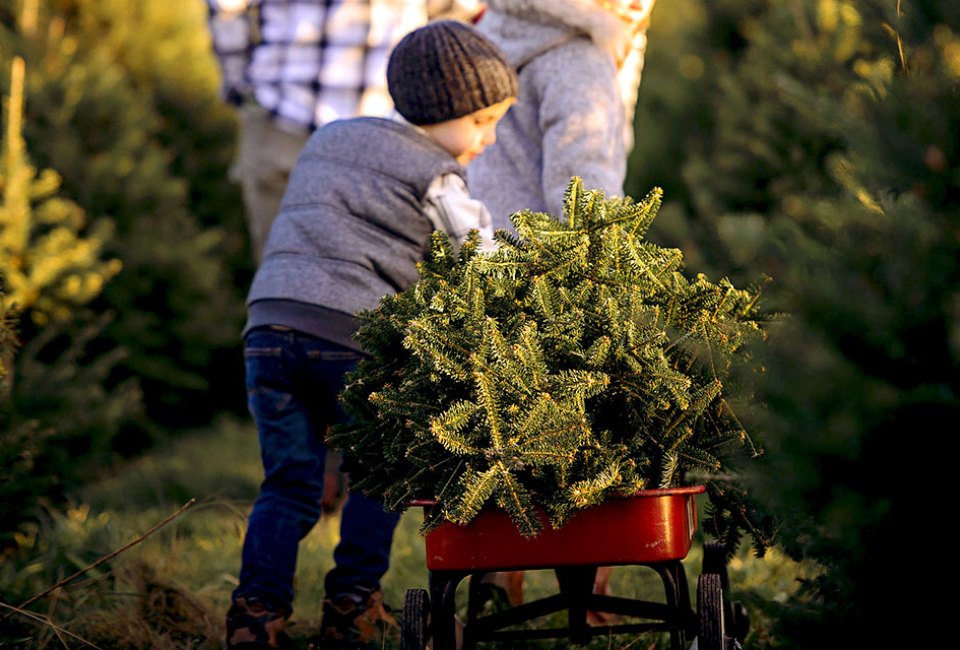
445 70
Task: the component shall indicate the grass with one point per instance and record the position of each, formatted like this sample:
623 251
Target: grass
170 590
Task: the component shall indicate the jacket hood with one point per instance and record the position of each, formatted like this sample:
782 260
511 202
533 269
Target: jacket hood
525 28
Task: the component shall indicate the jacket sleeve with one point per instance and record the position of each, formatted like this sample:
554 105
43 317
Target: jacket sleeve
581 120
230 32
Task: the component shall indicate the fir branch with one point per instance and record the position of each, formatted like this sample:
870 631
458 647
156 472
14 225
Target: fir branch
572 199
515 499
558 441
457 472
646 211
700 460
547 456
537 415
491 405
579 385
447 427
545 297
424 341
477 490
669 464
598 352
530 355
591 491
755 450
705 396
493 340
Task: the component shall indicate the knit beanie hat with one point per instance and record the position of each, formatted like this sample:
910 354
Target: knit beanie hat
445 70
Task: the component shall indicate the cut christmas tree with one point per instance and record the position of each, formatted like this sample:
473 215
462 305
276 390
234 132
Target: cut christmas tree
574 363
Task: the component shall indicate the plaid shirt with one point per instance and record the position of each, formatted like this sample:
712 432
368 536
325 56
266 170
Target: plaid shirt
310 62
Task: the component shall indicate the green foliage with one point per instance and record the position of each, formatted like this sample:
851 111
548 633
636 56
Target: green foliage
58 399
830 162
8 344
573 363
692 46
170 591
50 256
123 104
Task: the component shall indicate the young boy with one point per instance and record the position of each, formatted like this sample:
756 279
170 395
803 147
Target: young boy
356 218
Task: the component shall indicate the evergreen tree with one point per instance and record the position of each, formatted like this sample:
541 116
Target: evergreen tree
57 398
833 166
573 363
51 259
124 106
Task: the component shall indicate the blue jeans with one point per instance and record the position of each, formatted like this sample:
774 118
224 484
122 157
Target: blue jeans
293 381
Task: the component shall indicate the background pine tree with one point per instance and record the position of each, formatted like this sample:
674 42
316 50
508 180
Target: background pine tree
51 258
129 260
58 402
824 153
122 102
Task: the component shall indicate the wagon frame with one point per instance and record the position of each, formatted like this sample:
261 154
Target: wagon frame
652 528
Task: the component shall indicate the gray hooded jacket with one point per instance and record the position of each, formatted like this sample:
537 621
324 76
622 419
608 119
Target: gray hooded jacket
569 116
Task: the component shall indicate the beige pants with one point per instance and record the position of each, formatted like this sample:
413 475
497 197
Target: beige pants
265 156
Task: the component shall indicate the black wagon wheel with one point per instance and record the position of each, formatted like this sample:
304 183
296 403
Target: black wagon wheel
710 613
415 625
736 617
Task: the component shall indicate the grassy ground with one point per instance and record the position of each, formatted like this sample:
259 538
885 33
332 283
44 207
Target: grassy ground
171 590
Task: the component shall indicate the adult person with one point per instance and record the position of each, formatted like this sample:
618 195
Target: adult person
291 66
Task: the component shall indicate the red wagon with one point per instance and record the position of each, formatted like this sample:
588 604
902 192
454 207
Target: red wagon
653 528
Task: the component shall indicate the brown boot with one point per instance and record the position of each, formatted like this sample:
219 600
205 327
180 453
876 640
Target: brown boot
251 626
353 621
